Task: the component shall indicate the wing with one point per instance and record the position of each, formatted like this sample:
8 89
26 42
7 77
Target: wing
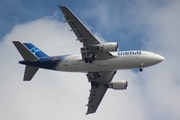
82 33
84 36
98 80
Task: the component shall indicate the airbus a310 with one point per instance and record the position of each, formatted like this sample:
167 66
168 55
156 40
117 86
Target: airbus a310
99 61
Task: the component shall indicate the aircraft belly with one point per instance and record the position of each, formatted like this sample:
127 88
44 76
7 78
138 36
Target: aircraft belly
81 66
78 65
127 62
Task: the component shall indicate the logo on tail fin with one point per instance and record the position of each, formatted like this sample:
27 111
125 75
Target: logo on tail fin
34 50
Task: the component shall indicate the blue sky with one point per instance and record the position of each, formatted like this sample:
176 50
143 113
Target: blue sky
19 11
120 23
151 25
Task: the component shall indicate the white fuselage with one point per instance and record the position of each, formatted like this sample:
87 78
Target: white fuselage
121 60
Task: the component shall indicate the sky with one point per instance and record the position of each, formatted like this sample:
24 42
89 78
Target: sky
151 25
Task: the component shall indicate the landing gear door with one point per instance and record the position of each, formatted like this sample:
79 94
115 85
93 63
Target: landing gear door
87 55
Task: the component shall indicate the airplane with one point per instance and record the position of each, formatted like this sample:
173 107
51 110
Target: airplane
98 60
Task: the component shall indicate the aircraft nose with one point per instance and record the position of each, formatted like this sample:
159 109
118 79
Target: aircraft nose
159 58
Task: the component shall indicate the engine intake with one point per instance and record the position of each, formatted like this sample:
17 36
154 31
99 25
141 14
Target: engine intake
108 47
118 85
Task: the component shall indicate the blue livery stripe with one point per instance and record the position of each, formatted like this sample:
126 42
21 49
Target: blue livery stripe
36 51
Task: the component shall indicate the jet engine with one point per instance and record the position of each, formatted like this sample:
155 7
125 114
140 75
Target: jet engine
118 85
108 47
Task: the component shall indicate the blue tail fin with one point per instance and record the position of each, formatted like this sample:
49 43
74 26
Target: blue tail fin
30 53
36 51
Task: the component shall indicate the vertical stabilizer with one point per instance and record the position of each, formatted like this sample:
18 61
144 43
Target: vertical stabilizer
36 51
30 53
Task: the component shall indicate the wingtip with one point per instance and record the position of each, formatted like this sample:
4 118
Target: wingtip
89 113
62 6
15 41
59 6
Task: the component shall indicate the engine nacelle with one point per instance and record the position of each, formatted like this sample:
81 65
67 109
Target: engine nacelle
118 85
108 47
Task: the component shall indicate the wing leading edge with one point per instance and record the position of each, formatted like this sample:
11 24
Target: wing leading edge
81 31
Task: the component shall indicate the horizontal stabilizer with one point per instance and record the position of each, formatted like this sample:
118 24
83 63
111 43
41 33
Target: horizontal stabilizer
25 52
29 72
